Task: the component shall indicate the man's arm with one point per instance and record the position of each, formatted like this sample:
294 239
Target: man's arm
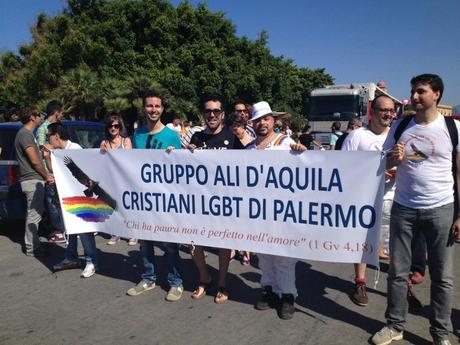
46 152
36 163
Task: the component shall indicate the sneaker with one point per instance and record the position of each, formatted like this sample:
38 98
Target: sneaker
360 295
57 237
140 288
417 278
89 270
132 242
113 240
267 300
442 342
386 335
415 305
175 293
286 307
66 265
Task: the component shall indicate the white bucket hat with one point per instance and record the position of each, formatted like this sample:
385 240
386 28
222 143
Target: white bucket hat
261 109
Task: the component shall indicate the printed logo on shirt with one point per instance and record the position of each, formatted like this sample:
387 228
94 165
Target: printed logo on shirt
153 144
418 149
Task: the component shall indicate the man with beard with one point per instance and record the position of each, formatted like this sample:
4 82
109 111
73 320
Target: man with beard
215 136
278 272
424 202
371 138
33 177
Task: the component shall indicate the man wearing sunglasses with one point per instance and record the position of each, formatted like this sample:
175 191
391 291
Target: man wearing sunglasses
33 176
215 136
371 138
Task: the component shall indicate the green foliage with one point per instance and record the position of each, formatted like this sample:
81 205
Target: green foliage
100 56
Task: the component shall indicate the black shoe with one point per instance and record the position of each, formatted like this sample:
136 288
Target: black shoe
286 307
415 305
267 300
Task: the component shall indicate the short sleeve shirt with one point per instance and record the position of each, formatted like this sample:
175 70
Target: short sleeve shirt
42 131
224 140
424 178
143 139
334 137
25 139
306 140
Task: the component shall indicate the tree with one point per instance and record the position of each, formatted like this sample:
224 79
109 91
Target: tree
103 55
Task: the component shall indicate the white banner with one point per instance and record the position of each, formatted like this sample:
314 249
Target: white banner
318 205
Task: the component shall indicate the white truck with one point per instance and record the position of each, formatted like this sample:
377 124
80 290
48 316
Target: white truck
341 103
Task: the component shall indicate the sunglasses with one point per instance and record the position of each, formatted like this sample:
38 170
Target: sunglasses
117 126
212 111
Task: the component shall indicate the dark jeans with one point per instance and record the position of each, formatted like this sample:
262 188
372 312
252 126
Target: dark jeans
435 224
172 256
89 248
418 253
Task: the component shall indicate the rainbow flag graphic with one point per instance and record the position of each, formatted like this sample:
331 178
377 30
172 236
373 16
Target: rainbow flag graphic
415 158
88 209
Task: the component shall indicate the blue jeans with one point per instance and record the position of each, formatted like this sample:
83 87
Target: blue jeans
172 255
89 248
435 224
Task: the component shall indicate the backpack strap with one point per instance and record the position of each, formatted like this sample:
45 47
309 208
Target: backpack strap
402 126
453 133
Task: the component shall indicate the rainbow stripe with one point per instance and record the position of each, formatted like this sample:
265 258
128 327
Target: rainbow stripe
88 209
415 158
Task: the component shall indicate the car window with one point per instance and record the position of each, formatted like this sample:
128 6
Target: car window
87 136
7 136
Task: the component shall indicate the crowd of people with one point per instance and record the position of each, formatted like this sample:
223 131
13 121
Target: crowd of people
419 201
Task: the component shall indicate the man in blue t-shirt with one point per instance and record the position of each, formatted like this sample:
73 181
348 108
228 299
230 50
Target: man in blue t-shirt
155 135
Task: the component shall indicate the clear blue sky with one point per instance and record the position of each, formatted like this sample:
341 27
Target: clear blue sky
355 41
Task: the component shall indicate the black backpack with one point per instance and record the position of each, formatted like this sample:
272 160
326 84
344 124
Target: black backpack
453 133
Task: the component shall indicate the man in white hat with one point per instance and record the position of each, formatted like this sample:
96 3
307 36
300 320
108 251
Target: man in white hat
278 272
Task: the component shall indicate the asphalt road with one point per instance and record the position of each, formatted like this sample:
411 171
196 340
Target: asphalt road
41 307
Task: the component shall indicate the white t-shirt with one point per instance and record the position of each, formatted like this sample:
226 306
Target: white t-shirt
363 139
71 145
281 142
424 178
177 128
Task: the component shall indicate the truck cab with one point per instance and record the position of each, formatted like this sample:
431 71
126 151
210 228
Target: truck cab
341 103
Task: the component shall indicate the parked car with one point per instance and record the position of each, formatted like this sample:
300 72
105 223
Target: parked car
12 202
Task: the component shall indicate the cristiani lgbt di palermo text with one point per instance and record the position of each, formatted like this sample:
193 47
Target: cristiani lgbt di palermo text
292 181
